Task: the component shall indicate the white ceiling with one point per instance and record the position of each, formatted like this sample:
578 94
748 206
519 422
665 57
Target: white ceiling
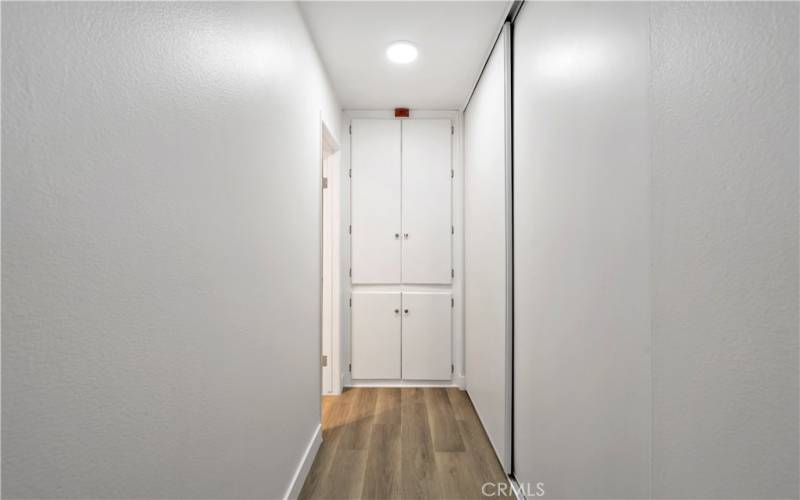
453 38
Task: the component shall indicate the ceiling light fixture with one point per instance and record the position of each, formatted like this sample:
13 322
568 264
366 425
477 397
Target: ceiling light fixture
401 52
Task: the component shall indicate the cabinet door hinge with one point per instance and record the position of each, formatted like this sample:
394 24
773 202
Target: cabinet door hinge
452 129
452 302
452 229
324 360
350 272
452 368
350 301
452 273
350 129
349 229
324 183
350 367
452 174
350 173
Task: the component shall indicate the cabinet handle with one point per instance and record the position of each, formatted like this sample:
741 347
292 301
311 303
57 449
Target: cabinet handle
397 236
405 235
405 311
397 311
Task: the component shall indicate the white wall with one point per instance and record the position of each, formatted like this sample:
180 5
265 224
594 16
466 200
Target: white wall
160 248
486 283
725 250
656 258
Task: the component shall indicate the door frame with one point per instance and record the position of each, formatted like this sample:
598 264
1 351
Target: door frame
330 154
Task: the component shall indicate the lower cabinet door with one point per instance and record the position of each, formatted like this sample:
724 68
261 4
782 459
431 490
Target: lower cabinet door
376 318
427 319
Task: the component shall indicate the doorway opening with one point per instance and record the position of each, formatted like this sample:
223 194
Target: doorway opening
330 280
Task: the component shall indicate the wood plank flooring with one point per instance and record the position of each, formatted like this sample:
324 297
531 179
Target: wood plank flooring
407 443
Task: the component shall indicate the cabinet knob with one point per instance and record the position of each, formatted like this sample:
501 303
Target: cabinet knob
397 236
405 311
405 235
397 311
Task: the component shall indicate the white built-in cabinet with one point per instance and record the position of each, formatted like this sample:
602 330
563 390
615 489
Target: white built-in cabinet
401 191
401 249
401 335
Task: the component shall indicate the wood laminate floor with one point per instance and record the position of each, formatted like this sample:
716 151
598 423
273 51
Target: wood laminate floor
407 443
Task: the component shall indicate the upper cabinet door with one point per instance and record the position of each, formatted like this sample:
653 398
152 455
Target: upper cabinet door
427 192
375 198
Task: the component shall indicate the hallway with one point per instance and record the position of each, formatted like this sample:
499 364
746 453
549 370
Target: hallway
400 249
402 443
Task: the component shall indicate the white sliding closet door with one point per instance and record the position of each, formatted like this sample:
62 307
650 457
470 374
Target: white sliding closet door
581 250
376 335
426 201
426 335
487 247
375 198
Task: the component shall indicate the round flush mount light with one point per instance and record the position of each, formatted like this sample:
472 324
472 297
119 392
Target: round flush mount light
401 52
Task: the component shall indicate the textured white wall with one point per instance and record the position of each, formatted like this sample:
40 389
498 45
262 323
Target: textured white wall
160 254
725 249
656 201
485 273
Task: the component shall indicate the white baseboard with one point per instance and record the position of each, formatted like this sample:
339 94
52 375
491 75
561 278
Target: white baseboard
305 465
402 383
